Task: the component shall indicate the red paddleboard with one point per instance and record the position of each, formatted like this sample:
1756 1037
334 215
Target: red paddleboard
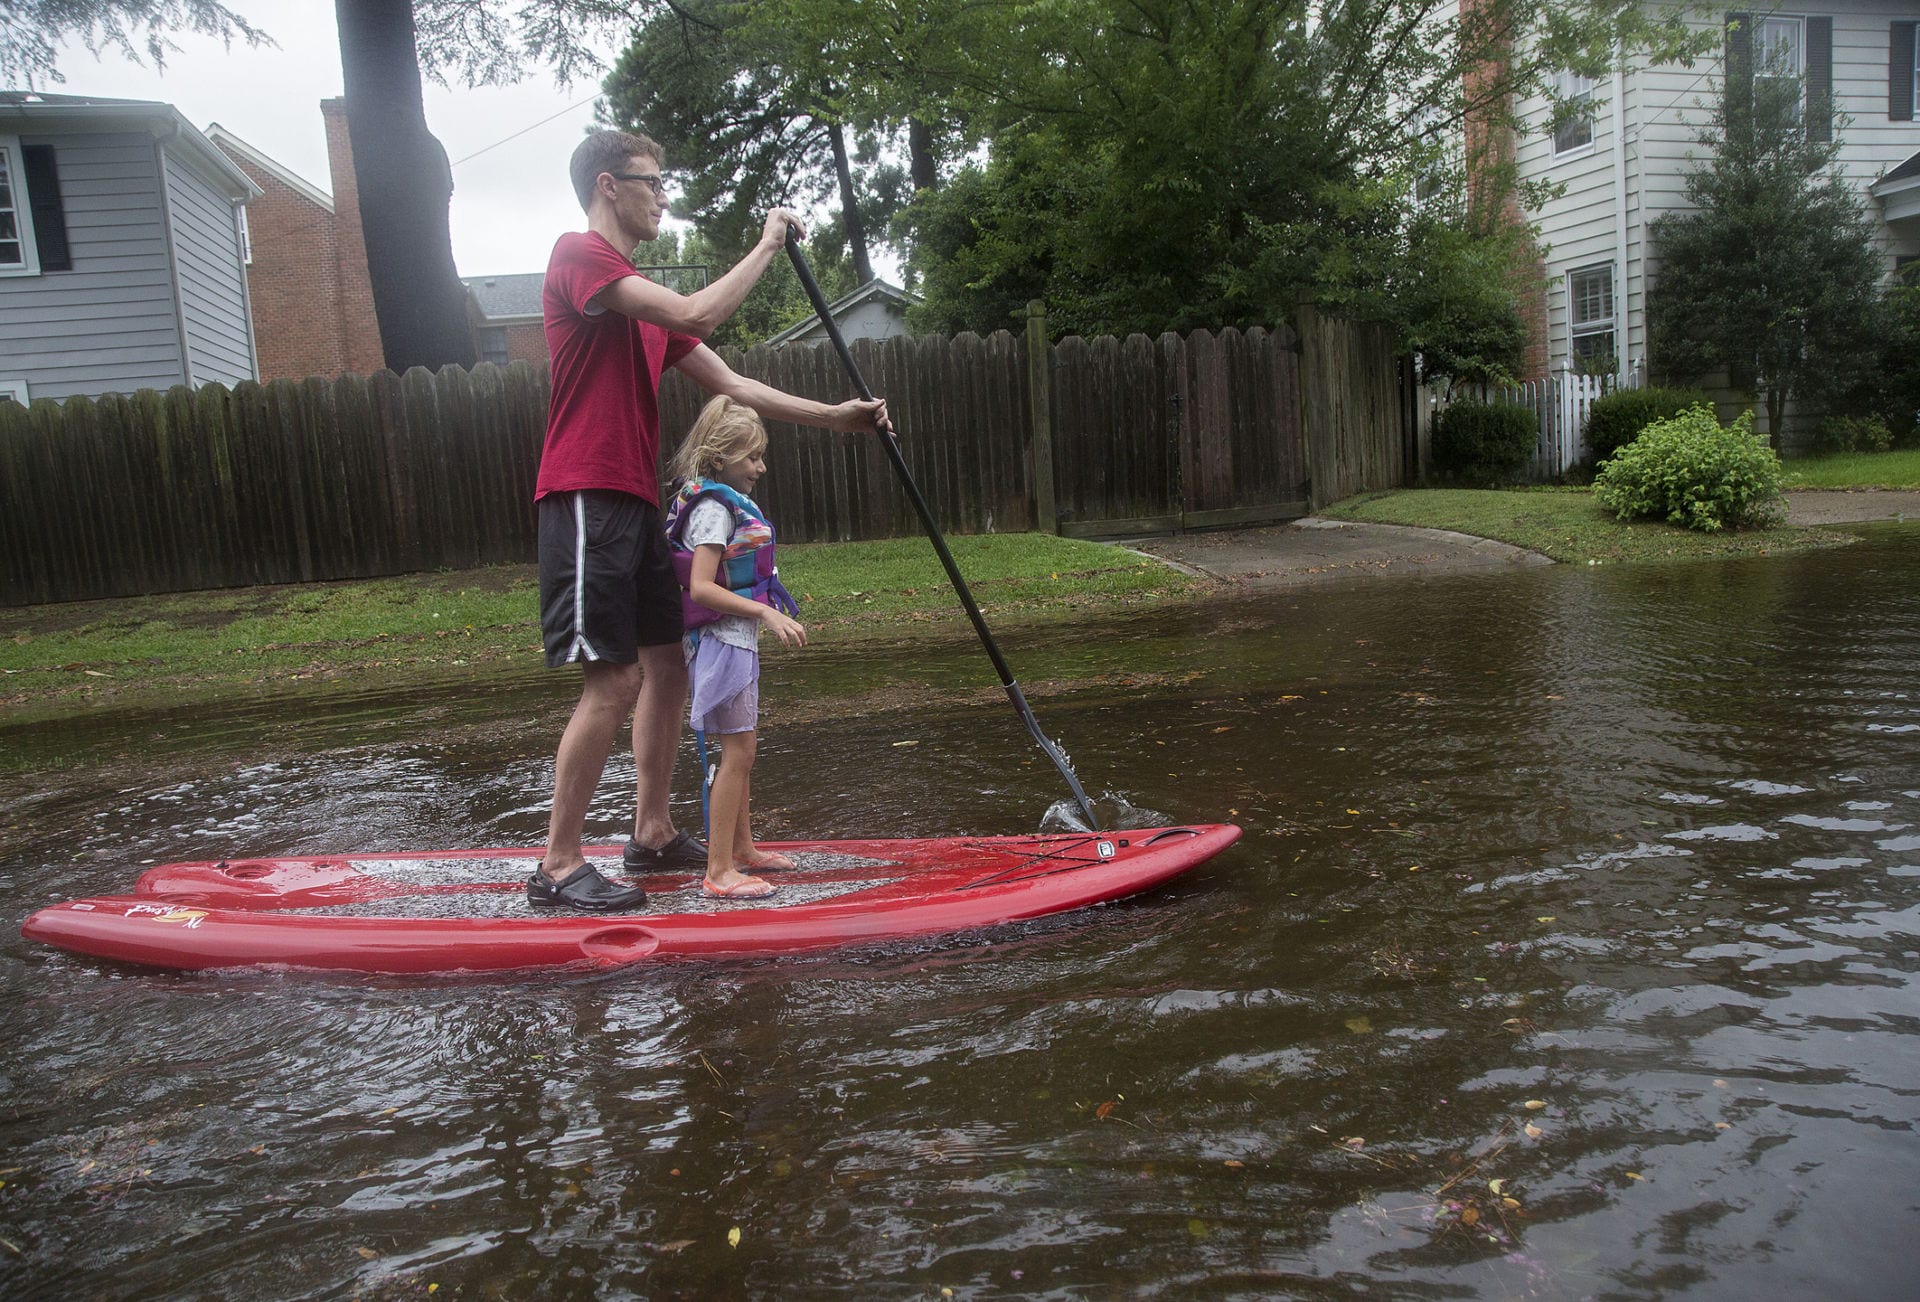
466 910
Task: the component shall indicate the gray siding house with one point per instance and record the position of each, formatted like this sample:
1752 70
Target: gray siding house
1625 164
122 250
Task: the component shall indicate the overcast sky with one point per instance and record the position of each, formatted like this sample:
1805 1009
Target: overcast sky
509 203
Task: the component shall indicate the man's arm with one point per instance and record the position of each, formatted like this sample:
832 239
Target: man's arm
855 416
701 312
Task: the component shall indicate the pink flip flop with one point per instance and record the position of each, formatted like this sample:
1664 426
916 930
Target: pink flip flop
753 888
772 861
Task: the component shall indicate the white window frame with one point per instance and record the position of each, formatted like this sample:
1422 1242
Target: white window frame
1431 183
1916 73
1573 86
1797 44
14 387
1594 326
15 162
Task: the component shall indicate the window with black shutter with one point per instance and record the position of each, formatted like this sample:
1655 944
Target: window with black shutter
49 212
1791 55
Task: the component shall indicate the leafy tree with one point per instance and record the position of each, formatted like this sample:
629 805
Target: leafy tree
1773 276
1453 293
31 31
750 115
1165 164
776 301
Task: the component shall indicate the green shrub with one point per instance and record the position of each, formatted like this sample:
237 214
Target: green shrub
1900 358
1483 442
1836 434
1690 471
1617 419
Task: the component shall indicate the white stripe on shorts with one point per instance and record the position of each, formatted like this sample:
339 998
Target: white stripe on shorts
580 644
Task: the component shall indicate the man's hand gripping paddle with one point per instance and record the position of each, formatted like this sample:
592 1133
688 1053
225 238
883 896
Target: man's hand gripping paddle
1014 694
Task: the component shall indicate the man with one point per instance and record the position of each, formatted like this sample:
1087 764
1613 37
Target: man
608 597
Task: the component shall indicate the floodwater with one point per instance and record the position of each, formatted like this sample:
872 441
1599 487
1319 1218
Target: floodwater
1570 951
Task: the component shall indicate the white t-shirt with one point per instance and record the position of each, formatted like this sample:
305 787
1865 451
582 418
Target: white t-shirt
711 522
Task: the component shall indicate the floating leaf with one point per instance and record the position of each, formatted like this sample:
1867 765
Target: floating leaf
1635 1175
1359 1025
1104 1110
1354 1141
1495 1185
733 1237
1470 1216
1235 1163
368 1253
1533 1131
1534 1105
1549 918
1721 1125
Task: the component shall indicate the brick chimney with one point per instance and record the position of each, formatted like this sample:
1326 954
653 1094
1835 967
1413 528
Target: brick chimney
1491 199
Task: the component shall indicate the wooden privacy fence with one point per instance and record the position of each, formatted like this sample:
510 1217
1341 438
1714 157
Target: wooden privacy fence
961 408
285 482
291 481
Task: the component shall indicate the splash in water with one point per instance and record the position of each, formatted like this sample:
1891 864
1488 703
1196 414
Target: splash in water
1115 812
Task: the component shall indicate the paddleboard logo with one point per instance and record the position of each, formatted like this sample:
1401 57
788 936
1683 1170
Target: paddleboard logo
1104 849
187 918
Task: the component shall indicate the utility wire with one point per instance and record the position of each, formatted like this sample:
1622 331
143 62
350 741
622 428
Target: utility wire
523 130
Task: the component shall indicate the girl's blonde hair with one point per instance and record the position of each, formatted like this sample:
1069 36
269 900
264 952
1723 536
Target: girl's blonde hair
724 431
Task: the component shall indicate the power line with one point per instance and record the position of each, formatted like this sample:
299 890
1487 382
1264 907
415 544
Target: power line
523 130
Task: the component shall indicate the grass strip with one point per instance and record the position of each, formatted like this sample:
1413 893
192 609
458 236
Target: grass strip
1569 525
1897 469
130 648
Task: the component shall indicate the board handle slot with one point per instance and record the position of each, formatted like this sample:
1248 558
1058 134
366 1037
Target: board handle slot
618 944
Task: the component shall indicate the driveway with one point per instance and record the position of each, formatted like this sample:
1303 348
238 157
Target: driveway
1314 550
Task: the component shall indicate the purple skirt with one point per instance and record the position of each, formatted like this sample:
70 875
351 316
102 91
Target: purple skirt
726 686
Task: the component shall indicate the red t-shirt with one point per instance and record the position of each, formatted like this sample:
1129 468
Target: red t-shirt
603 418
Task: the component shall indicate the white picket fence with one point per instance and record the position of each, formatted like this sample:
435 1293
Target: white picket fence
1560 402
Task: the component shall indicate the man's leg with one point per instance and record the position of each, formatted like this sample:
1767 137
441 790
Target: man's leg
656 741
606 695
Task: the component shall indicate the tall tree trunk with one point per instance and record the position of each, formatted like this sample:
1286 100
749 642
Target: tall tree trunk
922 166
850 205
405 185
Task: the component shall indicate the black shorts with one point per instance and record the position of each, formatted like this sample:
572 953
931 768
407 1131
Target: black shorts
606 578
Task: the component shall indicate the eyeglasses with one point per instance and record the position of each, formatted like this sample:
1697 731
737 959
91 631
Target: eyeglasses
658 186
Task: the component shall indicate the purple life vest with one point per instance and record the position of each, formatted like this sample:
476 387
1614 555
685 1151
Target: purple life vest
747 566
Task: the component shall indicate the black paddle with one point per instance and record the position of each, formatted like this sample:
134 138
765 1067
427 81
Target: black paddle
887 440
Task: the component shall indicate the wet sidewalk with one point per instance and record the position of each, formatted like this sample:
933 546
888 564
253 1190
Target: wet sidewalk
1317 550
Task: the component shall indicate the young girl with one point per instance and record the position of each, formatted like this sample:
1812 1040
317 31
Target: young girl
723 546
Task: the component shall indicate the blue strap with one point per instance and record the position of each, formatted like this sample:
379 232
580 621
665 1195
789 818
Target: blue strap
706 784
